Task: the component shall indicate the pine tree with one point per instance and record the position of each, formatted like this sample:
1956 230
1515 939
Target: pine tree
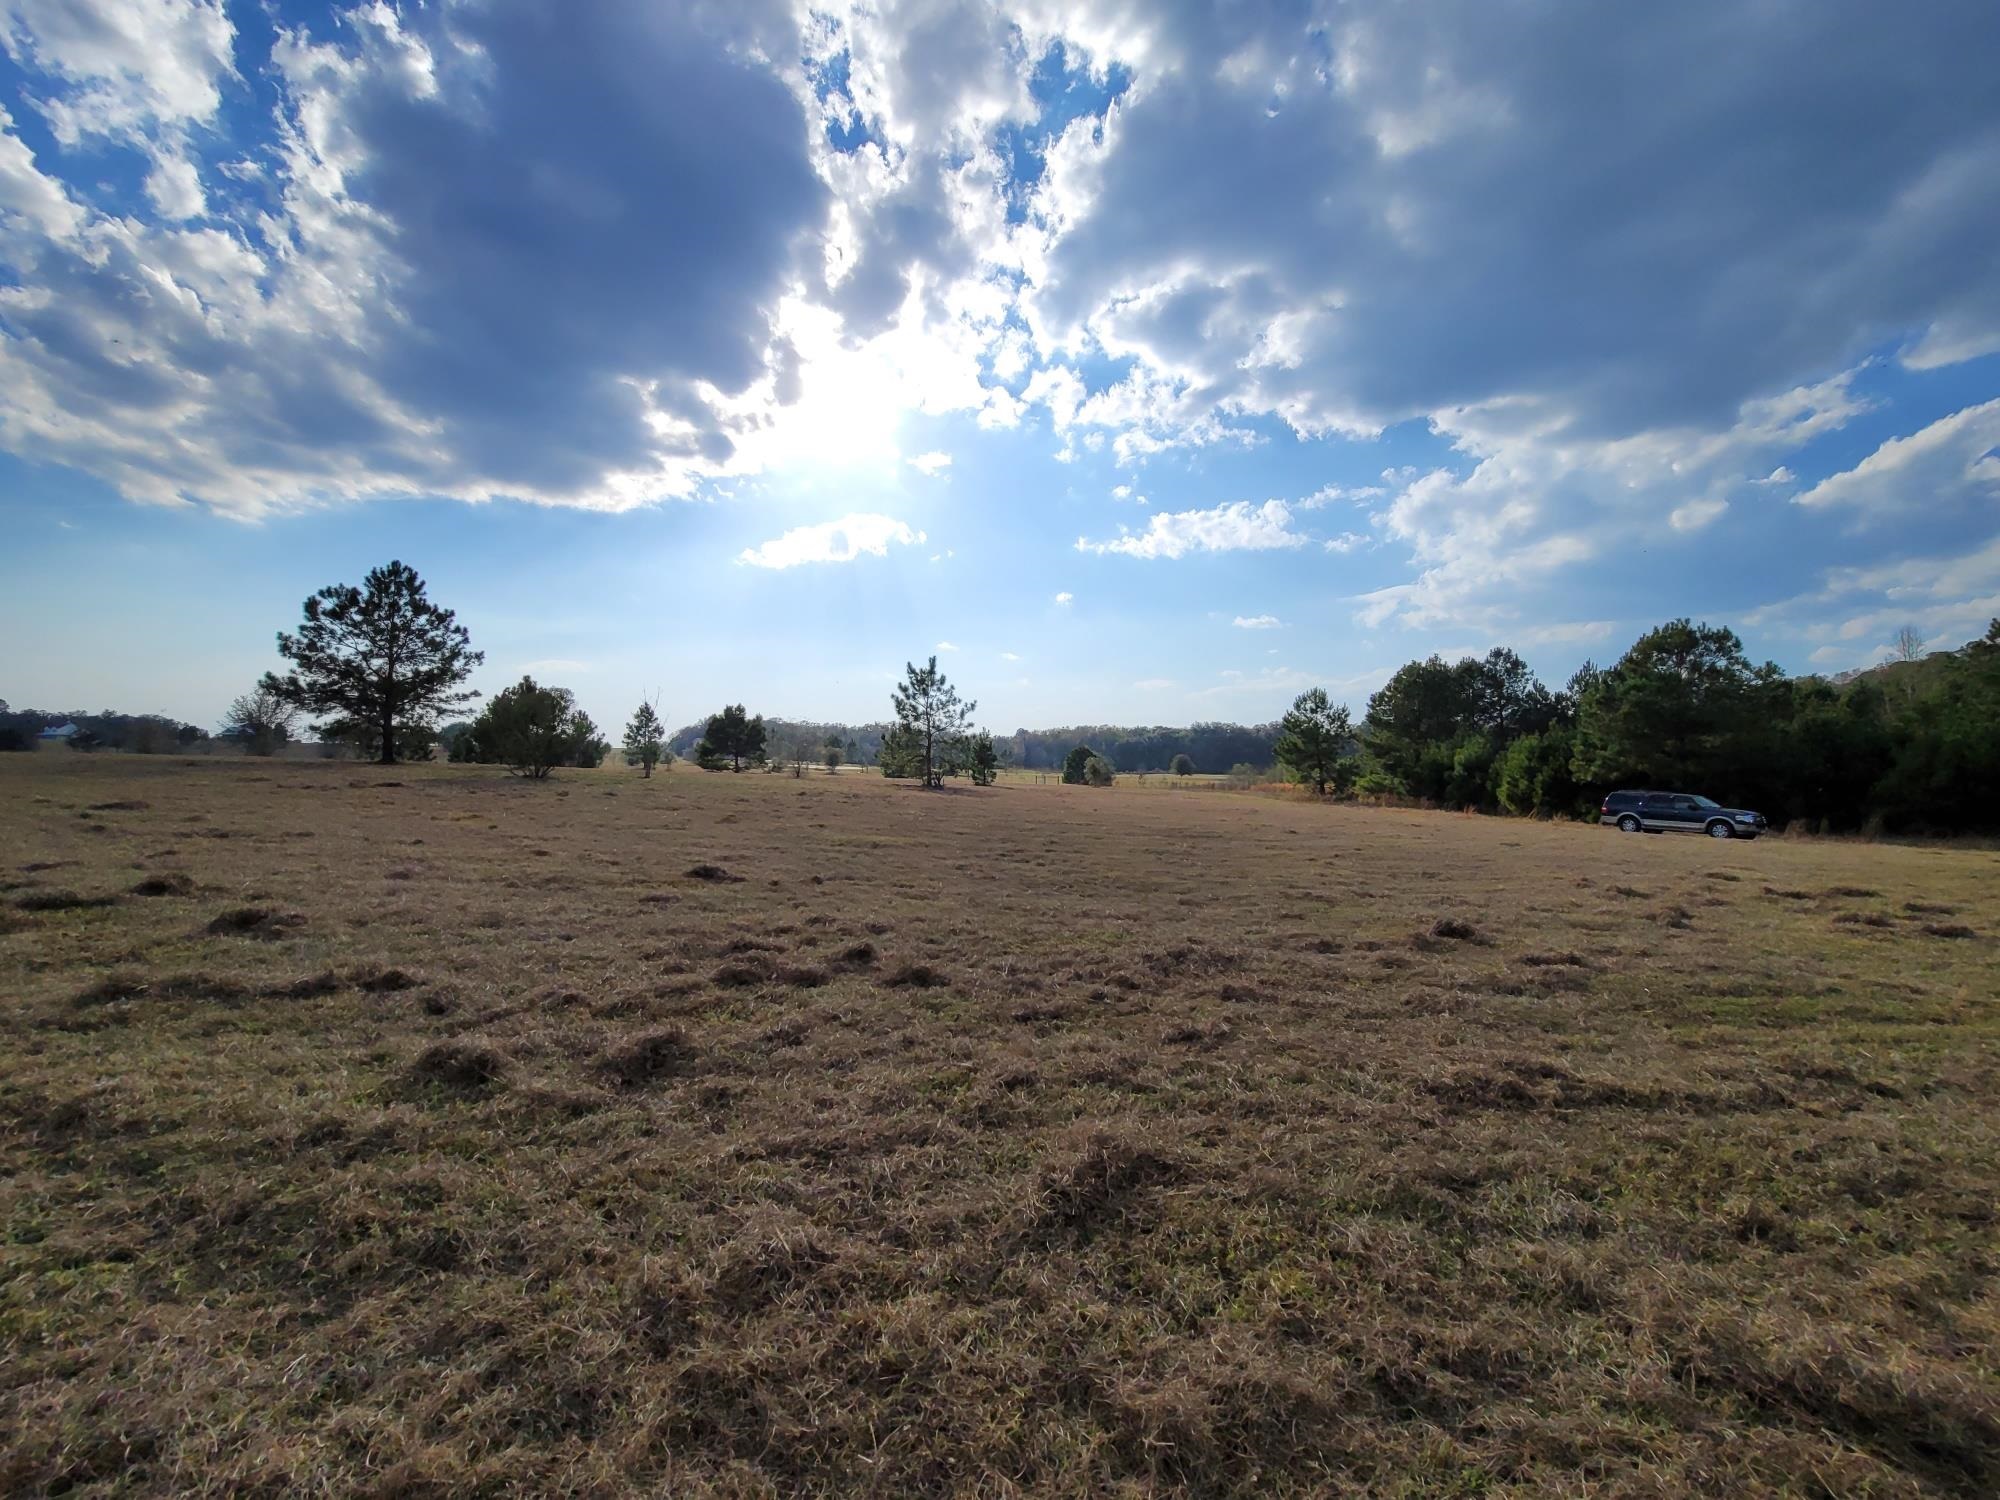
380 656
1313 740
930 710
531 729
645 737
735 734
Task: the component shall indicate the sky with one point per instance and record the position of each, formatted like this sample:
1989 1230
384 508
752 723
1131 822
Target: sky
1146 363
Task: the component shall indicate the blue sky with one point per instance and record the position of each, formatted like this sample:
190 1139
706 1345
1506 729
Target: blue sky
1147 363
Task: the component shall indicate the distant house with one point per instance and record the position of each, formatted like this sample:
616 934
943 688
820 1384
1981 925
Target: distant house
58 732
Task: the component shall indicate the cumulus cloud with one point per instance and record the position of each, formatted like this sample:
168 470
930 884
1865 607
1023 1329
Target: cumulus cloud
832 542
1257 622
1238 526
390 321
1953 459
127 67
1860 609
754 235
1425 130
1065 597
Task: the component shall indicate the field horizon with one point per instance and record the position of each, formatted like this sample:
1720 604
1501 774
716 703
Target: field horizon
415 1130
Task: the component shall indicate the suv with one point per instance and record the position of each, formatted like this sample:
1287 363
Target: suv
1677 812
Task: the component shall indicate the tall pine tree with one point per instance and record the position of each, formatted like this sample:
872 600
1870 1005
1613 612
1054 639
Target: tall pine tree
381 659
931 714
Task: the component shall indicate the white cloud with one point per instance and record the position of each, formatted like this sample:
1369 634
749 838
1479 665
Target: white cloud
1010 656
1948 599
126 66
1065 597
175 189
945 646
1257 622
1235 527
832 542
1696 513
1347 541
1954 459
931 463
1333 494
1154 684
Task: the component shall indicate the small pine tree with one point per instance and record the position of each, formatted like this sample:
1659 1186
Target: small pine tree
645 738
531 729
982 761
902 753
1098 771
929 709
833 752
735 734
1075 763
1182 765
1313 741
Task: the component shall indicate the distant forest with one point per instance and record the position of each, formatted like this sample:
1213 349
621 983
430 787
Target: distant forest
1212 747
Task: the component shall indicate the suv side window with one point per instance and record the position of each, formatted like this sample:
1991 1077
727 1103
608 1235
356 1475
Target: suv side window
1684 804
1657 803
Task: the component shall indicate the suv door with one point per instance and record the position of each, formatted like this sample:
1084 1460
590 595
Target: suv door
1684 815
1657 812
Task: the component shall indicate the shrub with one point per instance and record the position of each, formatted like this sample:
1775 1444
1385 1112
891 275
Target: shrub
531 730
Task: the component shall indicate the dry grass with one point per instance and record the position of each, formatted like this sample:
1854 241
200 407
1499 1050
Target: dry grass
429 1133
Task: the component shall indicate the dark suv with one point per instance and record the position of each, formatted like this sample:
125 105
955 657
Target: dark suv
1677 812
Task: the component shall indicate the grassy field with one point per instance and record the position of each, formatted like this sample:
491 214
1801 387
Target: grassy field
414 1131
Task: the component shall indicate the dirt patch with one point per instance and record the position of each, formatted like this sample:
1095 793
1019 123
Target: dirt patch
61 901
916 977
473 1066
752 970
1198 1034
308 987
119 988
714 874
1948 930
1095 1183
1455 930
261 922
172 884
128 805
649 1056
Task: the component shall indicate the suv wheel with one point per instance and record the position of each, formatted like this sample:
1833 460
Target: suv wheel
1628 824
1718 829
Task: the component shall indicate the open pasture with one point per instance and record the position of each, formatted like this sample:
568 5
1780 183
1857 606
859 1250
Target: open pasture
413 1131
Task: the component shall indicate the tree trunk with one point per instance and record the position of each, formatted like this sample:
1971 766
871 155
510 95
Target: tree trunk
388 755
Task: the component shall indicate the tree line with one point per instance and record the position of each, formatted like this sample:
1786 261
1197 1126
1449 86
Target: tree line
1913 745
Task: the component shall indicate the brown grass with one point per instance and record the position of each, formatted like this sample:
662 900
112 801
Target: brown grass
1030 1141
